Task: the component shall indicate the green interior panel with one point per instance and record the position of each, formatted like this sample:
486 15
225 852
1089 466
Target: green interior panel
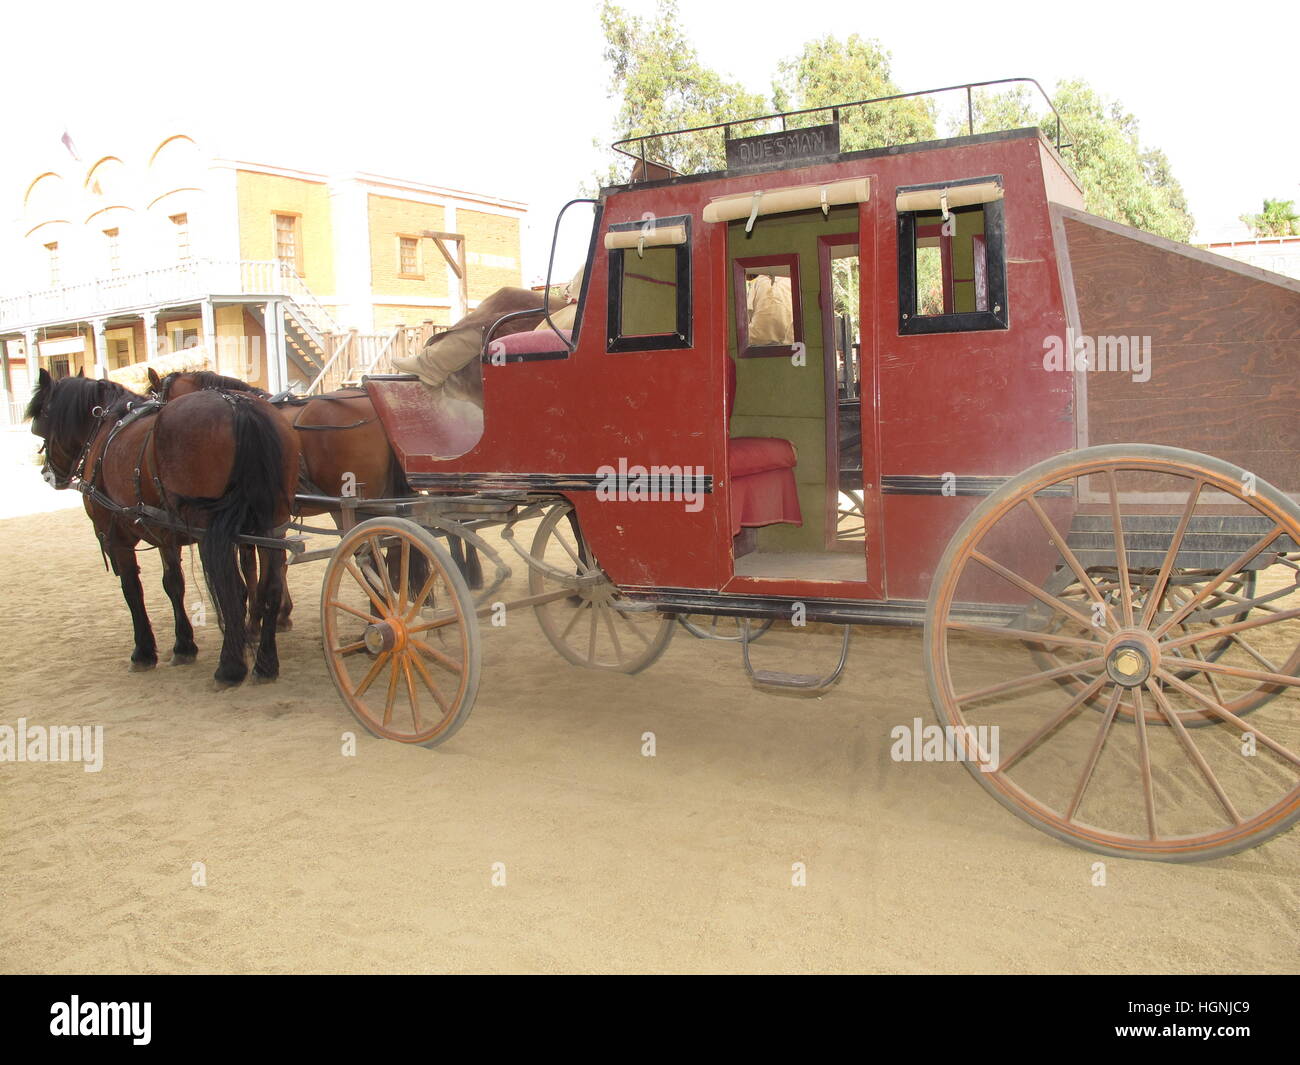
969 224
775 397
649 292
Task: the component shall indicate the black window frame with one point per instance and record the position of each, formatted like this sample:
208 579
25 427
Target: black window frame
680 337
996 317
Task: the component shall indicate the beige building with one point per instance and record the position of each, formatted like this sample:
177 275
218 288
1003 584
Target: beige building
163 253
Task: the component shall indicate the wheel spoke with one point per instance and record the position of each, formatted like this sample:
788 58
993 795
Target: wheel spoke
365 585
1103 730
392 694
591 643
373 672
1024 635
573 621
1229 716
436 623
1234 567
405 575
1162 578
425 589
1032 589
355 612
425 676
609 625
1190 747
1033 678
1121 552
350 648
1232 627
1051 725
633 626
381 564
1071 559
443 660
1203 666
410 693
1144 762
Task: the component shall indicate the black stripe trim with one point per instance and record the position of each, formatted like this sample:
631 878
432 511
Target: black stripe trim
961 485
560 482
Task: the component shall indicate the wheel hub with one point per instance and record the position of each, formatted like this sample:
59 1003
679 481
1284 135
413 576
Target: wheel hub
1131 658
383 636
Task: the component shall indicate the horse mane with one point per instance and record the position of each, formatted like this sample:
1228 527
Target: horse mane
211 379
67 403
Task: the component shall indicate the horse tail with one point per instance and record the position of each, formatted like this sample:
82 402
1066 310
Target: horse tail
253 499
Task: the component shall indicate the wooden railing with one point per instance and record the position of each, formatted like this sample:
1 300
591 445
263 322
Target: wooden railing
351 356
192 280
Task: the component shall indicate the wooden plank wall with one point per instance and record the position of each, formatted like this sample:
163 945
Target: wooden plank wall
1225 352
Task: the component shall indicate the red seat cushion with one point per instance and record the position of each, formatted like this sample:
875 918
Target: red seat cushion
532 342
758 454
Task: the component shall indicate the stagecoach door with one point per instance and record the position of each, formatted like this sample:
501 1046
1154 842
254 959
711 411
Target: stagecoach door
796 338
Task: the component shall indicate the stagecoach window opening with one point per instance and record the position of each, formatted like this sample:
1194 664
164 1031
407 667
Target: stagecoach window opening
649 285
769 319
951 262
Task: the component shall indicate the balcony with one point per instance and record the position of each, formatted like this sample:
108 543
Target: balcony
120 294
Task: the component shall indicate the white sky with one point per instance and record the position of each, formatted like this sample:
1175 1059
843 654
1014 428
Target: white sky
506 97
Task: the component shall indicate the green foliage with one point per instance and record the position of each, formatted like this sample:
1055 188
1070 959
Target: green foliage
663 86
1278 219
831 71
1121 180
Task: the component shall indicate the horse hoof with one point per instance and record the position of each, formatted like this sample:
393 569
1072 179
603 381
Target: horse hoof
183 658
261 678
143 666
220 684
284 626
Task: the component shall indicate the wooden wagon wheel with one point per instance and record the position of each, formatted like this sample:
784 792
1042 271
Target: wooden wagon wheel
1065 585
400 632
1125 788
596 627
725 629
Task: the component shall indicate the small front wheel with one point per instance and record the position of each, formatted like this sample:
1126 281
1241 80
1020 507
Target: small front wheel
400 632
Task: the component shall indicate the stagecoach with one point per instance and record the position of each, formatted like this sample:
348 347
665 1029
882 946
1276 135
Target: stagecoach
915 385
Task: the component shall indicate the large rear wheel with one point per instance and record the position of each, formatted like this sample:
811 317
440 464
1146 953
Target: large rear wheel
1159 636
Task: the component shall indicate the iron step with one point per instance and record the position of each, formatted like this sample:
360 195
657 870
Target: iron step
801 683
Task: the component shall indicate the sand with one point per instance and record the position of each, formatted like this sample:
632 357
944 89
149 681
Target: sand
613 862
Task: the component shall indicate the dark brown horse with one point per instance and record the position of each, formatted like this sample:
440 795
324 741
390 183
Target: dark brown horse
344 450
209 468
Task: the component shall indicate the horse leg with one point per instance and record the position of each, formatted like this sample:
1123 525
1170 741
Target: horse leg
145 655
284 622
184 650
269 593
248 567
230 596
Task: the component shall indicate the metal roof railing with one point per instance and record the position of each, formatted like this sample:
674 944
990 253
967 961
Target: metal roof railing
637 148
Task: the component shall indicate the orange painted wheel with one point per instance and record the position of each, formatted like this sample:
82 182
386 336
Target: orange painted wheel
401 635
1107 761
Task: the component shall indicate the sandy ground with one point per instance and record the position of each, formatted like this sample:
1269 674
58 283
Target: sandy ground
613 861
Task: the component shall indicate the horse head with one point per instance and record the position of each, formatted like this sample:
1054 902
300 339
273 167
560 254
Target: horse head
65 414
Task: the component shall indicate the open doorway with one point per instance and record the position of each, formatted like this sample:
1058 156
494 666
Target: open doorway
794 354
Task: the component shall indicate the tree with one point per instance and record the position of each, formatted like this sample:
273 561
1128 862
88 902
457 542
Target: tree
1121 180
830 71
1278 219
663 86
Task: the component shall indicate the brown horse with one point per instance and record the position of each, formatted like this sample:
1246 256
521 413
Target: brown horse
208 469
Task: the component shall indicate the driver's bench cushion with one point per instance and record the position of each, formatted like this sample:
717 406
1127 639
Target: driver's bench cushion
763 489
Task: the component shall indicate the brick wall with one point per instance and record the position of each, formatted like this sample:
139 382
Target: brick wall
262 197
